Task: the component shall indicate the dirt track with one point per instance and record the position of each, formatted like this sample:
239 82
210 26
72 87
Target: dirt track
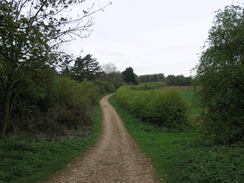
114 159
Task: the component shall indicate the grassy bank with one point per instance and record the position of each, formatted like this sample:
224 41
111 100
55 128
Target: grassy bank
24 160
179 157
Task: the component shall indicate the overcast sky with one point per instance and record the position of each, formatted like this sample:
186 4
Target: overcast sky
156 36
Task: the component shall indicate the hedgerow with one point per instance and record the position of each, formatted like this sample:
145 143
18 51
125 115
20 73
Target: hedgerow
65 107
164 108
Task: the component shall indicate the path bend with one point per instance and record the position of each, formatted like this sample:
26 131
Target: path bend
114 159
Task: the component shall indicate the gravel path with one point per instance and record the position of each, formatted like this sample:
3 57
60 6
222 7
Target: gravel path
114 159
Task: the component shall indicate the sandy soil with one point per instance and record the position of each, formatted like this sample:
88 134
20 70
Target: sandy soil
114 159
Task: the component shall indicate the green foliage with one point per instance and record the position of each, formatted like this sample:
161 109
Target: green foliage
106 86
66 106
85 69
30 35
148 86
111 74
166 108
152 78
170 80
114 78
177 157
221 75
129 76
179 80
25 160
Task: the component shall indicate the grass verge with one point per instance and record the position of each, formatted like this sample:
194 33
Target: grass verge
24 161
179 157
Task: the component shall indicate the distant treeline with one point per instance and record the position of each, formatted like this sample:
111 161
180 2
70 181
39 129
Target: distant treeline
178 80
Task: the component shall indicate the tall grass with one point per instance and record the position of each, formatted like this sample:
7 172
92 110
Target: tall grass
166 108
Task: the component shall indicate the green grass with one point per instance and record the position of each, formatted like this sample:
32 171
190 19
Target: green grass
24 161
193 100
179 157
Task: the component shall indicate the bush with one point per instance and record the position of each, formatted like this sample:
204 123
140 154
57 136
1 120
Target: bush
106 86
165 108
66 106
168 108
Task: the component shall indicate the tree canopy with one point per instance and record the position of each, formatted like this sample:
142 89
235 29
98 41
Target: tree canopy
129 76
221 75
30 34
86 68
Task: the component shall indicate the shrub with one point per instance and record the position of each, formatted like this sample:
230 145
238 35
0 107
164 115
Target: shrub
168 108
165 108
66 106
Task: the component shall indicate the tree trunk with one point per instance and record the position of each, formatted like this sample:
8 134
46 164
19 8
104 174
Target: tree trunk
5 118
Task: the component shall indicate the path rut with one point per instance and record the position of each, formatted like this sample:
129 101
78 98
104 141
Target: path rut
114 159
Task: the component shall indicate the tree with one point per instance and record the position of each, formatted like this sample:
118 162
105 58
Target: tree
221 75
30 34
86 68
129 76
111 74
109 68
65 66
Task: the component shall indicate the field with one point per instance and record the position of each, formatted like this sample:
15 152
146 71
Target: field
180 156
